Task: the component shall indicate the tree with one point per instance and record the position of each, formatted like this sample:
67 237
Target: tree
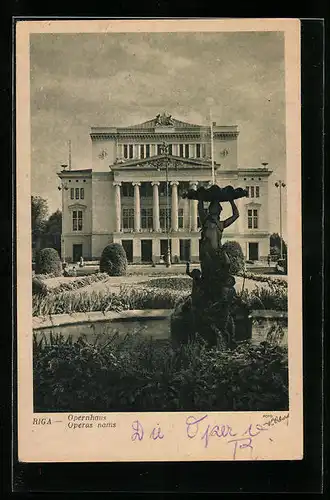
275 245
53 231
113 260
48 262
39 212
235 255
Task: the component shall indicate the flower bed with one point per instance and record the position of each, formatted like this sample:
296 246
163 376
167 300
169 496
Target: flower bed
146 296
138 297
265 279
72 284
135 374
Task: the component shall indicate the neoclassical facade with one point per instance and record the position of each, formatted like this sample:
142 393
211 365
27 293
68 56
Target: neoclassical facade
132 192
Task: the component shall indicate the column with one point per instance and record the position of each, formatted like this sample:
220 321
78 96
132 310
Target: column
137 215
155 211
174 221
193 209
117 207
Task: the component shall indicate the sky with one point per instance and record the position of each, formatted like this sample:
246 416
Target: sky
121 79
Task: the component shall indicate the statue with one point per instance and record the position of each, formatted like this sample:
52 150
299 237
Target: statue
164 120
208 309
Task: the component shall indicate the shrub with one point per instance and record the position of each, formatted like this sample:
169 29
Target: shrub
48 262
113 260
236 256
135 374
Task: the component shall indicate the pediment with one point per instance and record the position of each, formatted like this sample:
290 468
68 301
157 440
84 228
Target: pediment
77 206
252 204
163 120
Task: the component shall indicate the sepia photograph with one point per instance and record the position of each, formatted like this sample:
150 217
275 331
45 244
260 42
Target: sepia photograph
159 239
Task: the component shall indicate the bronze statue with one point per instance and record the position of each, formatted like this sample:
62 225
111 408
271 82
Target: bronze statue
212 257
208 311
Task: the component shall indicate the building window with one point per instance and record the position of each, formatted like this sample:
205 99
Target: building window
170 149
146 218
186 150
253 191
128 189
198 150
128 218
180 218
142 155
131 155
125 151
165 218
146 190
203 150
77 193
77 220
198 222
72 193
82 193
181 150
253 219
159 149
147 150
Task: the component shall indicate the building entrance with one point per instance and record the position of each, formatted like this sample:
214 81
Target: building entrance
128 247
146 250
163 247
185 250
77 251
253 251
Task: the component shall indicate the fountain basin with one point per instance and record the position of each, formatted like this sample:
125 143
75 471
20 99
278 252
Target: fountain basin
154 323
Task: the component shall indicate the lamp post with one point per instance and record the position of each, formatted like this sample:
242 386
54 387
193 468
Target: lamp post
63 187
280 184
164 151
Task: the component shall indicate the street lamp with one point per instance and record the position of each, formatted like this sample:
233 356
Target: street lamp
63 187
164 151
280 184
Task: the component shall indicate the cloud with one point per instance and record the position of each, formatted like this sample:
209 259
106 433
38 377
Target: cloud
84 80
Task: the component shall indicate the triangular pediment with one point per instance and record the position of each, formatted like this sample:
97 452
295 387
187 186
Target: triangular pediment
159 161
163 120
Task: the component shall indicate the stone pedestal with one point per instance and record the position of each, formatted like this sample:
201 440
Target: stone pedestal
208 311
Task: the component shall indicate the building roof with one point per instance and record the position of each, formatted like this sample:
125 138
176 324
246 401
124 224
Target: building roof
164 123
68 173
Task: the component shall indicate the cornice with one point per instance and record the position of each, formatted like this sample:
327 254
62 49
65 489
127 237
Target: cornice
201 135
66 174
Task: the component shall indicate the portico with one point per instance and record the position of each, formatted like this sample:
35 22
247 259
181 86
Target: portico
133 192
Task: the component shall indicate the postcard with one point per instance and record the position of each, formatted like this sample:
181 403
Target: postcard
159 287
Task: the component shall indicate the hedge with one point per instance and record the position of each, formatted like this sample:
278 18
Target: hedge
136 374
236 256
48 262
113 260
